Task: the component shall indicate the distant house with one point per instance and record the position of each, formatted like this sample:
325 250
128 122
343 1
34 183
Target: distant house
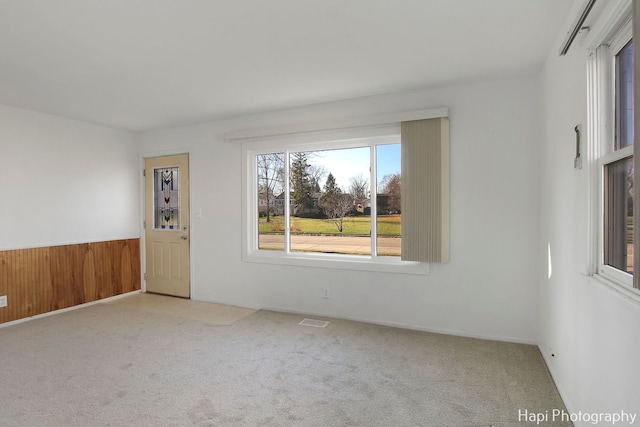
276 206
313 211
383 201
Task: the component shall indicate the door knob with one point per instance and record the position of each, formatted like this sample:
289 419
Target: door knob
184 237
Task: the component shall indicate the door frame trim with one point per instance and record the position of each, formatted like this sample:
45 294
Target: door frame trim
146 154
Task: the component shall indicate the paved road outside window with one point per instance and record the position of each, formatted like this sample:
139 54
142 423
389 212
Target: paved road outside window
332 244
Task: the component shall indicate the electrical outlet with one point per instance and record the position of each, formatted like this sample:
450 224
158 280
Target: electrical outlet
3 301
325 293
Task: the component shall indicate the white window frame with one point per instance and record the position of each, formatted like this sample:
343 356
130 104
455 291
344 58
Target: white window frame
316 141
615 31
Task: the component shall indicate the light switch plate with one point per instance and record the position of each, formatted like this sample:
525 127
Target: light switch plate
3 301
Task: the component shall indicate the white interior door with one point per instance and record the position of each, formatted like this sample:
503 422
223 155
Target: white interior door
167 225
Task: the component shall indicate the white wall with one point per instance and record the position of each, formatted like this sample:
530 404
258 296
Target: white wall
65 181
489 287
588 333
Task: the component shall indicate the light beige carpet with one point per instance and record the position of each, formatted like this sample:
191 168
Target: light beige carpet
210 313
129 363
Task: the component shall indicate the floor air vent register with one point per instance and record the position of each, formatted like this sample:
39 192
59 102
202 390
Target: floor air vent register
313 322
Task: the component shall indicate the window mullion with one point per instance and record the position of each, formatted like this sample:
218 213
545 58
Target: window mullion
373 200
287 203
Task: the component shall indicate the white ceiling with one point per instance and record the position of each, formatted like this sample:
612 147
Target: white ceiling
146 64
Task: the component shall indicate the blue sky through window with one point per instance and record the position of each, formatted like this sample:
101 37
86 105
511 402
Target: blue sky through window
347 163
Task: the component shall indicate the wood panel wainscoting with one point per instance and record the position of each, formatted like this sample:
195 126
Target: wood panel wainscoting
41 280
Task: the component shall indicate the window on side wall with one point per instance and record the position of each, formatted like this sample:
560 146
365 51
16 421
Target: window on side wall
612 62
618 170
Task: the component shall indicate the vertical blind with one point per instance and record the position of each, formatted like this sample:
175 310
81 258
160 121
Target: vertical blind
425 190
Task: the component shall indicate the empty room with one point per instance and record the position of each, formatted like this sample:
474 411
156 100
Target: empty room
319 213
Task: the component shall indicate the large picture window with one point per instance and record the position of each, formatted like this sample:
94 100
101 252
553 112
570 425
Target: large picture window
373 198
331 201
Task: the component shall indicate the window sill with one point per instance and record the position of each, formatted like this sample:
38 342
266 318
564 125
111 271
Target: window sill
340 262
620 289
